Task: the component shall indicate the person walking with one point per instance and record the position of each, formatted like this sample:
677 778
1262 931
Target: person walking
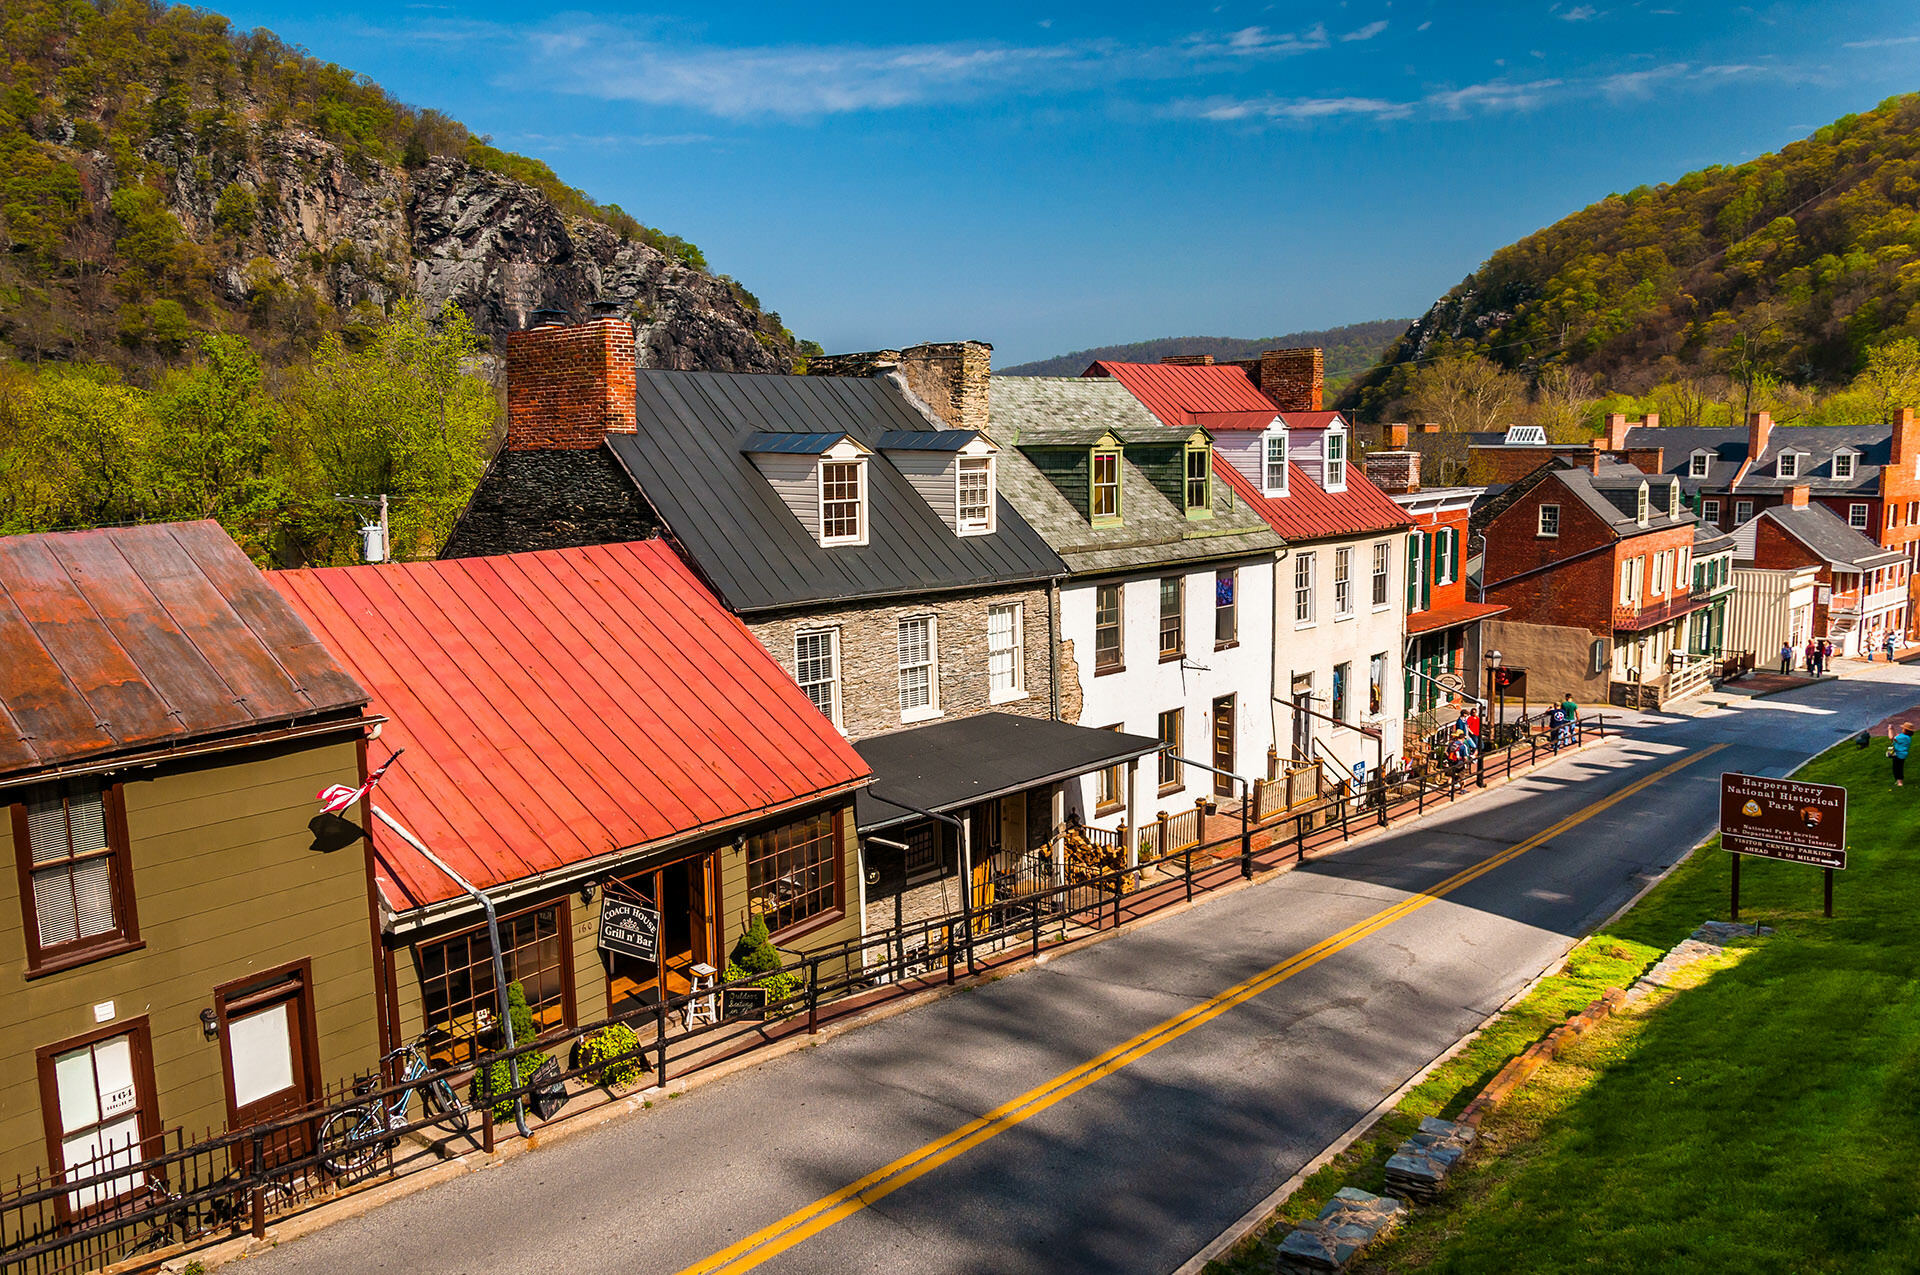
1889 646
1474 727
1572 711
1826 653
1813 657
1898 746
1786 657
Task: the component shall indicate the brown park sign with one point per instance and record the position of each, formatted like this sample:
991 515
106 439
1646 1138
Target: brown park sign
1784 819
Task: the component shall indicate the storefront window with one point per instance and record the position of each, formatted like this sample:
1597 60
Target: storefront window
793 871
456 974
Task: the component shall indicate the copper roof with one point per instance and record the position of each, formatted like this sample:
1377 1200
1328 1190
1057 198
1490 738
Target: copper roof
563 705
127 639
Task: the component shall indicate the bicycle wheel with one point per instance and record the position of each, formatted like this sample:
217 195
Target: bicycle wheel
349 1139
441 1100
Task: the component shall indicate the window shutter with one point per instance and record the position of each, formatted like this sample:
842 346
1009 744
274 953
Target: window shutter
1413 572
1426 581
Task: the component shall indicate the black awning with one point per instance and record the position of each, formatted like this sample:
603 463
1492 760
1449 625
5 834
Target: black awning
947 765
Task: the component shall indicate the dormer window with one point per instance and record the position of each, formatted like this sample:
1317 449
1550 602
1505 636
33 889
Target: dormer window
1273 471
1697 464
1336 454
1788 466
974 475
1843 463
1646 505
1199 486
1673 500
843 502
1104 494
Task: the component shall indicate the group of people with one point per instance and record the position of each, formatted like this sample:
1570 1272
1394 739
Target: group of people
1464 741
1819 654
1886 644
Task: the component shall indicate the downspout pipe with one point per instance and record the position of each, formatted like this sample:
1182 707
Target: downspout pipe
493 942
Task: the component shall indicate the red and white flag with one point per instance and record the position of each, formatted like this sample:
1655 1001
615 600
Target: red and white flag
337 797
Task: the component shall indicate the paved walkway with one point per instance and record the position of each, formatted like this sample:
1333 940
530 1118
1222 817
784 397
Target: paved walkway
1115 1108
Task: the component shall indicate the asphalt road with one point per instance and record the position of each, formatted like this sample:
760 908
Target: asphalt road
1137 1167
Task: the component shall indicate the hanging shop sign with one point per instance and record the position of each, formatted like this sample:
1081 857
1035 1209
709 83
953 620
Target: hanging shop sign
630 928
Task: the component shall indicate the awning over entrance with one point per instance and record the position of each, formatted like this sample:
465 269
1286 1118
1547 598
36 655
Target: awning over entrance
1451 617
952 764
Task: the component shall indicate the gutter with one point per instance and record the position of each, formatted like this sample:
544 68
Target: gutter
153 757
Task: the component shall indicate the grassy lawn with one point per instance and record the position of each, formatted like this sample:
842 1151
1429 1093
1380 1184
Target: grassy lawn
1766 1120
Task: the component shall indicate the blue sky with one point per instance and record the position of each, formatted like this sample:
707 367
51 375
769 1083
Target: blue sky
1050 176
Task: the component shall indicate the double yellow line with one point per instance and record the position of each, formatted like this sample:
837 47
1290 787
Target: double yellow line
800 1225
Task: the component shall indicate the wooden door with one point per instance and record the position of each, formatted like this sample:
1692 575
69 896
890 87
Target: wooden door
702 911
1223 733
267 1046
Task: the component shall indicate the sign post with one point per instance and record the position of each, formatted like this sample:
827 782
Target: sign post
1783 819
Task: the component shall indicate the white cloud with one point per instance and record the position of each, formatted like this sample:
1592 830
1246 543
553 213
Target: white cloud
1884 42
1580 13
1296 108
1365 33
1494 95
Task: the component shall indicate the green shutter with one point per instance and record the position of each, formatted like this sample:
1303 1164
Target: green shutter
1413 573
1426 578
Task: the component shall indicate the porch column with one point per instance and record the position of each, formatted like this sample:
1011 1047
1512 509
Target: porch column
1057 843
1133 811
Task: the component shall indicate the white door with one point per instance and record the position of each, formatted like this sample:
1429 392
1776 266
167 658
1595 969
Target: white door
99 1117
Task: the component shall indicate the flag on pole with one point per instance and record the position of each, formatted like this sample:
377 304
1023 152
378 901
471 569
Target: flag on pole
338 797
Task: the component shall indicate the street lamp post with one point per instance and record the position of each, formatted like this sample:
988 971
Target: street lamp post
1493 663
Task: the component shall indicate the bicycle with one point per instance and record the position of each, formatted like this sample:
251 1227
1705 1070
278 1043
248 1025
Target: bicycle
353 1137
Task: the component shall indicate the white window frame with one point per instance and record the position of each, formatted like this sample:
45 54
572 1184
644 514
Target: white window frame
1304 572
1549 527
1382 575
962 524
1340 693
859 464
1445 556
1852 461
1787 465
1859 516
919 712
1267 485
1018 623
1644 506
832 682
1742 512
1333 454
1343 583
1709 510
1697 464
1660 564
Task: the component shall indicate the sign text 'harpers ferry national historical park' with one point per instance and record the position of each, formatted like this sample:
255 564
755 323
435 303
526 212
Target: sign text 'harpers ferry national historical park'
1784 819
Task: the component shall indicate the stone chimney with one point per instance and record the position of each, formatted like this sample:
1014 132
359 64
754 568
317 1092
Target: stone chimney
1759 425
1187 360
1293 378
1906 440
1397 434
1397 473
1796 497
569 385
951 377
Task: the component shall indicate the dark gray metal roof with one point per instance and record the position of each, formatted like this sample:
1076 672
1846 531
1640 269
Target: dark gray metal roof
1613 494
686 458
1827 534
1726 449
766 444
950 764
927 440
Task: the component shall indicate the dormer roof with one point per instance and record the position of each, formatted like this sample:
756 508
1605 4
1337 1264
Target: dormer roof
933 440
779 444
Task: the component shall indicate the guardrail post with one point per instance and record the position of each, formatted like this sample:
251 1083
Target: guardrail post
950 947
1189 853
813 996
486 1127
1035 907
660 1037
259 1167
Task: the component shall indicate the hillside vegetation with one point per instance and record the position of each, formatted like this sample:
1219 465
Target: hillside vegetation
1782 272
1350 350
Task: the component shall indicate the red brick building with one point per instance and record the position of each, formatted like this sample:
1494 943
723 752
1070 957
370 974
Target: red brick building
1596 568
1861 592
1868 476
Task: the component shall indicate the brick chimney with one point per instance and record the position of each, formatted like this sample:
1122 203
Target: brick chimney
1397 434
1396 473
1293 378
1759 425
569 385
1187 360
1906 440
1796 497
951 377
1429 427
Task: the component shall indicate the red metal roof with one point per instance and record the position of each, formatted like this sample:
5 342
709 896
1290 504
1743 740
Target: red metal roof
129 638
1309 420
560 705
1213 396
1448 617
1310 512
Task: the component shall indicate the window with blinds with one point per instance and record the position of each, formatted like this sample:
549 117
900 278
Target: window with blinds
76 870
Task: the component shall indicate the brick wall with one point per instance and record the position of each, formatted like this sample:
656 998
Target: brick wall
1577 593
1293 378
568 387
1394 472
1899 488
870 658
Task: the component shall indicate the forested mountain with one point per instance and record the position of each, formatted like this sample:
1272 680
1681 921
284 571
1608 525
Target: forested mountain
163 175
1786 269
1350 350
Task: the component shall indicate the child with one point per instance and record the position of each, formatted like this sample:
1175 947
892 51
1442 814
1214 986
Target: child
1898 748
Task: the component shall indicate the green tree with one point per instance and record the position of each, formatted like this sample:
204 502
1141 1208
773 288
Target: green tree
215 454
1891 379
1463 392
81 461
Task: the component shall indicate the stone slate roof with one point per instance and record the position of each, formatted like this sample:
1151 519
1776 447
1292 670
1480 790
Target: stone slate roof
1728 446
687 460
1153 533
1709 539
1827 534
1613 494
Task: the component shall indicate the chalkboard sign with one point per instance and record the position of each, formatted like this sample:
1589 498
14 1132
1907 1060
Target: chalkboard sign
630 928
743 1002
549 1092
